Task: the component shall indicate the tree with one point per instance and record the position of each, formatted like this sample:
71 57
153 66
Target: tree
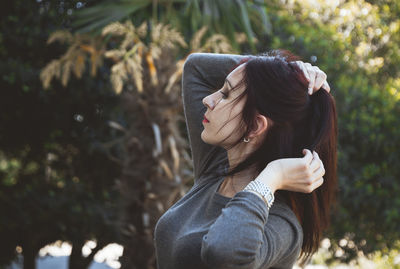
356 44
56 180
220 16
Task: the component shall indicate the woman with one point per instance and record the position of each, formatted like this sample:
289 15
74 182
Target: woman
256 202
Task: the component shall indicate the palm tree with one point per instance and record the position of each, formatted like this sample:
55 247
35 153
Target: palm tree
225 17
155 164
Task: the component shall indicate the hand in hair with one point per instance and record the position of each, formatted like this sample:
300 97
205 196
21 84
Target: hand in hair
315 76
294 174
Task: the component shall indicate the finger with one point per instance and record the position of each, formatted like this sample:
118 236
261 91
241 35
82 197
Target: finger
311 74
320 172
315 163
320 77
325 85
316 153
303 67
305 72
317 184
308 156
311 186
318 159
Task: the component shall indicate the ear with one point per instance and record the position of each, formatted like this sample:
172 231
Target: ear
261 126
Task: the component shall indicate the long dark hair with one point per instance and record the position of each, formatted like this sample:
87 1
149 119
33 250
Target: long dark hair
278 89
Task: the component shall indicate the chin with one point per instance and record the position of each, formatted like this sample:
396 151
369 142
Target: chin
206 139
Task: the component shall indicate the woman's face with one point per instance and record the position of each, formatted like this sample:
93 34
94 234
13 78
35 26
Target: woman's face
221 109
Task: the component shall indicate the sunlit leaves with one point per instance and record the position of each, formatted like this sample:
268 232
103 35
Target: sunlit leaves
356 44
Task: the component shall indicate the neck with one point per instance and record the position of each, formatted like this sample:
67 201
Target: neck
235 156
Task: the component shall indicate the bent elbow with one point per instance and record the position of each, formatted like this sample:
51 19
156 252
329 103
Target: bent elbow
189 61
188 72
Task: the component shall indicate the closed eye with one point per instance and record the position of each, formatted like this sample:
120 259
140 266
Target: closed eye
224 95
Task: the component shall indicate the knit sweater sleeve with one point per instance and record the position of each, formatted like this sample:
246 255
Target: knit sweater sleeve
203 73
247 235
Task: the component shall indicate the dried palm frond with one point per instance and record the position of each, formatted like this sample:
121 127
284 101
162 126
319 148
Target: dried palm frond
79 65
74 59
166 169
134 67
195 44
115 54
61 36
118 75
66 71
132 50
174 154
117 28
217 43
52 69
152 68
175 76
164 37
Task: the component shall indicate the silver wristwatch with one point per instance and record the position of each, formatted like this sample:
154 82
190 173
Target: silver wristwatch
264 190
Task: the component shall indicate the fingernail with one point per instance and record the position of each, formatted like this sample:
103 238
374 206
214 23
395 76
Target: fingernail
310 91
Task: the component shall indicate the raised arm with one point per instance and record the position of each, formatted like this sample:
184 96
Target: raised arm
249 236
203 73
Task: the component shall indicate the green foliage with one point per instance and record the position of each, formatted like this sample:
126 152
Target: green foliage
381 259
56 180
356 44
220 16
387 258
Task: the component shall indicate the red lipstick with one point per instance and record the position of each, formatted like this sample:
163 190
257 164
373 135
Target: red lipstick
205 120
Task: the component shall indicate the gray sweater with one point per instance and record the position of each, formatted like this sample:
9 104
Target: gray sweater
205 229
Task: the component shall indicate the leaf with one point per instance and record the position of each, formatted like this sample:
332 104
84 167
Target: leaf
66 72
118 75
61 36
245 19
152 68
195 43
51 70
95 17
79 65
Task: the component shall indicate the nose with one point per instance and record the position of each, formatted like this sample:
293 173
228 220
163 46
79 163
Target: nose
210 101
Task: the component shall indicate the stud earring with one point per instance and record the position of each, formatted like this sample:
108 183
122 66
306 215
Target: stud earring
246 140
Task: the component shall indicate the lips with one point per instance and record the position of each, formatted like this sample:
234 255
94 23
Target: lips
205 119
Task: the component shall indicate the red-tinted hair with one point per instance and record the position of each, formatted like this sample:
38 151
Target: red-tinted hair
278 89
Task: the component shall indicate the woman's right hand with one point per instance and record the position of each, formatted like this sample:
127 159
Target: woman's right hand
315 76
294 174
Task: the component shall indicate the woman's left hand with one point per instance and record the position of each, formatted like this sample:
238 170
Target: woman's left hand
315 76
294 174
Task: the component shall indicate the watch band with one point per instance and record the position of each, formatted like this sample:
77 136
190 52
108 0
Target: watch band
263 190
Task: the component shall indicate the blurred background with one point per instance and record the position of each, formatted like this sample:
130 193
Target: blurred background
93 143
